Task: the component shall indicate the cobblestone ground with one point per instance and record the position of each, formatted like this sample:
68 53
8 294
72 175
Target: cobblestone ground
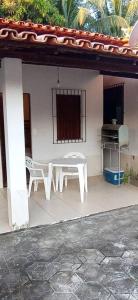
93 258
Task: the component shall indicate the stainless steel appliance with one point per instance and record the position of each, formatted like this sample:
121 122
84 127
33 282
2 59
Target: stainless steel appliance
114 140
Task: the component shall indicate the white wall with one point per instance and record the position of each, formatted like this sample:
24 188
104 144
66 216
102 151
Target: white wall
1 174
38 81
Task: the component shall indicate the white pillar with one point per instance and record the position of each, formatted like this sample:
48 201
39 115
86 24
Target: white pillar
1 173
14 142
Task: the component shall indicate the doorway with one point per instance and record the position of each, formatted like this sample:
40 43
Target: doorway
27 133
113 106
27 124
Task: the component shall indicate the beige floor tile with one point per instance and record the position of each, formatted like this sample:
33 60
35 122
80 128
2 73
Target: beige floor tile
101 197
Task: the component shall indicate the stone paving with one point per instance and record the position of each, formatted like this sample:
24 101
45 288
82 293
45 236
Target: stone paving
92 258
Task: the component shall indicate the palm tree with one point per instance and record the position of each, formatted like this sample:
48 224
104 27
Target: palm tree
73 12
113 17
67 13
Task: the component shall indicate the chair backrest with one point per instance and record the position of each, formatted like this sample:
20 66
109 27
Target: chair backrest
75 155
30 165
29 162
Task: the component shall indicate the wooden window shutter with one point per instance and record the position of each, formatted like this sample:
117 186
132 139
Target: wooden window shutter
68 117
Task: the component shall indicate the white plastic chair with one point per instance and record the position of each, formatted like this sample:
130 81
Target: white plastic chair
38 172
71 171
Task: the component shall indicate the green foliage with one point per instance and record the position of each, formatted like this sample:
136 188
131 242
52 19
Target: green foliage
126 175
114 17
74 14
130 175
58 12
132 11
40 11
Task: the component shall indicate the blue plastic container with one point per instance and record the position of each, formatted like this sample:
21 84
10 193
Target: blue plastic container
112 176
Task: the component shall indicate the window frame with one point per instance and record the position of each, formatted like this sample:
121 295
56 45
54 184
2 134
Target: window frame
82 94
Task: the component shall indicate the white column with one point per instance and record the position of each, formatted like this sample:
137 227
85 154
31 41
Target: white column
1 173
14 142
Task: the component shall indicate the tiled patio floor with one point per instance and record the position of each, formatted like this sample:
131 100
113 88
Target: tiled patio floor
101 196
92 258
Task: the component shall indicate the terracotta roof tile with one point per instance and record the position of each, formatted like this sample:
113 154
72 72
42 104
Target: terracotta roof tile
83 43
66 40
97 46
46 38
59 31
126 50
111 48
7 33
25 35
55 35
135 51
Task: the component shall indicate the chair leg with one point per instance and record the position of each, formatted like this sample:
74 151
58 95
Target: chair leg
66 181
57 178
35 186
53 182
85 178
61 181
30 186
81 182
47 186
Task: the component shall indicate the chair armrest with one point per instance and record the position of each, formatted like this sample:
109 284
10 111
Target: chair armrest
33 172
40 164
35 169
44 167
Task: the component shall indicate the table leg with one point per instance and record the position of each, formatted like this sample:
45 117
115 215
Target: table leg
61 181
85 178
57 178
81 181
49 181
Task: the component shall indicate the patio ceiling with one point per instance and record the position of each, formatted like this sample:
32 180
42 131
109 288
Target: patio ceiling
57 46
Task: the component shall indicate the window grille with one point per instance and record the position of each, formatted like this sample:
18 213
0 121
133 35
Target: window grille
62 132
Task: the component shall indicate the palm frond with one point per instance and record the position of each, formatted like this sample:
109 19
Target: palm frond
81 16
64 8
111 25
90 24
132 10
70 6
70 10
97 5
117 7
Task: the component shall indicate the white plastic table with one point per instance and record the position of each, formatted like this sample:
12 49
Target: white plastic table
79 163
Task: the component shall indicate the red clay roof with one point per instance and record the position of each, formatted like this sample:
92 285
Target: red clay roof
54 35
